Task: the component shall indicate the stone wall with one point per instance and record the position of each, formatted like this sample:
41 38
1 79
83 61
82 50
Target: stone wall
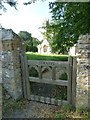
83 72
0 79
11 69
0 101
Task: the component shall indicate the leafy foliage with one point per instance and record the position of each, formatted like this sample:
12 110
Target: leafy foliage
31 42
69 20
36 42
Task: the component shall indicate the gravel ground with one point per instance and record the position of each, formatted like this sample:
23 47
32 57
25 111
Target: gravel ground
33 110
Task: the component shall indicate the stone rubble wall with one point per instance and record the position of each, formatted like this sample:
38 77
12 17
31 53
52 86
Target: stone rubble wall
83 72
0 101
0 80
11 68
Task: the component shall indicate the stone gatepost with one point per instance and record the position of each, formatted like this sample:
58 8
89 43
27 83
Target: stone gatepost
11 68
83 73
0 81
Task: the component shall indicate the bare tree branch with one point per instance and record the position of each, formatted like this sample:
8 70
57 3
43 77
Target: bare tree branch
12 3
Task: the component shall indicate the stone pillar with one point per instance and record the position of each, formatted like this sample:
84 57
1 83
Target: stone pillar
11 68
0 79
83 73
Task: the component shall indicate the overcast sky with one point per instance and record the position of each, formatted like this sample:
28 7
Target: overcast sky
26 18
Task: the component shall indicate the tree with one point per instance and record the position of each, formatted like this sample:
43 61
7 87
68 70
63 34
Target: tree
31 43
69 20
27 38
47 34
36 42
51 29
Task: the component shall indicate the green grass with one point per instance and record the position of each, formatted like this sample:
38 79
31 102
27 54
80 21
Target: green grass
36 56
68 112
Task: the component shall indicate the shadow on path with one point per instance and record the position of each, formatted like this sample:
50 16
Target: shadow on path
32 110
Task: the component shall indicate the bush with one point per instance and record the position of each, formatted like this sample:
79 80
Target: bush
33 49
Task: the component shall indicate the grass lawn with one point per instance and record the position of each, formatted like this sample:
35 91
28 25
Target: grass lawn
36 56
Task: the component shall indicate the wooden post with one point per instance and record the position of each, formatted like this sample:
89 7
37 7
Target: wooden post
54 73
25 74
69 89
74 82
40 72
27 78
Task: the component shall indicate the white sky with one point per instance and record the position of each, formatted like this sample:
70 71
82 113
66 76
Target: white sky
26 18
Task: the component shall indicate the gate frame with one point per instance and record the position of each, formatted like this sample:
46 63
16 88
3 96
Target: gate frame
71 88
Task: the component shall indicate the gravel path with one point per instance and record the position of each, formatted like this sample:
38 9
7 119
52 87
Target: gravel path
26 109
33 110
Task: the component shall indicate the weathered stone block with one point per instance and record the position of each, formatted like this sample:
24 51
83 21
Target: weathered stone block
84 39
11 66
0 47
16 45
83 72
0 101
6 45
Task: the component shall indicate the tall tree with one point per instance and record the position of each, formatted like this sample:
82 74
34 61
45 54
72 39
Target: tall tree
69 20
51 30
47 33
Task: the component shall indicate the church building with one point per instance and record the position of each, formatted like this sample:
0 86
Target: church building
44 47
